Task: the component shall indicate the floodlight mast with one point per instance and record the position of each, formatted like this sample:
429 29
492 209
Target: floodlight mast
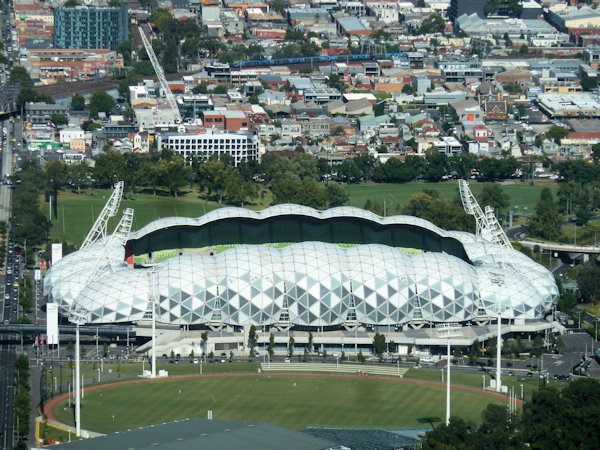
78 317
98 230
448 330
487 224
161 76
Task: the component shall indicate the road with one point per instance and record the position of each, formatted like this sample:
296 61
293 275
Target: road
7 381
7 168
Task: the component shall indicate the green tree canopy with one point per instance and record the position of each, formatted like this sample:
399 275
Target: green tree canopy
556 133
546 223
77 102
20 75
110 167
493 195
100 101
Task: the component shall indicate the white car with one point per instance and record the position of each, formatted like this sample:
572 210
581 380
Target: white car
195 360
287 359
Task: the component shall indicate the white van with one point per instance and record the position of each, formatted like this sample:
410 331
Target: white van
426 359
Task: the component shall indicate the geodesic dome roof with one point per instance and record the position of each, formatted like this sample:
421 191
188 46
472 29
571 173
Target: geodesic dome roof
308 283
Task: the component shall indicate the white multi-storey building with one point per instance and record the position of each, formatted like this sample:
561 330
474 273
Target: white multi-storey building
241 146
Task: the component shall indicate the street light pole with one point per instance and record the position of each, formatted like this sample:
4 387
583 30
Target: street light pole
78 318
153 302
448 388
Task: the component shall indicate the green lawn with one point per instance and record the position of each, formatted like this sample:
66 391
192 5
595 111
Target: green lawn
77 211
314 401
112 370
530 384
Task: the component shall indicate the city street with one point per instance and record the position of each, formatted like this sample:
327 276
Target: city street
7 374
7 167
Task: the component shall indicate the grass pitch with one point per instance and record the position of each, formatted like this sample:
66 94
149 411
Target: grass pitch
78 211
312 401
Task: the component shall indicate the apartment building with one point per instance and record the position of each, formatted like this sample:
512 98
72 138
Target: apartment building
240 146
90 26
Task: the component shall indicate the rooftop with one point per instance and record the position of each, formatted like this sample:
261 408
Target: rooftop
202 433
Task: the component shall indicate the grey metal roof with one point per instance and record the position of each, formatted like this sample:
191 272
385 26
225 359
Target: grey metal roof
204 434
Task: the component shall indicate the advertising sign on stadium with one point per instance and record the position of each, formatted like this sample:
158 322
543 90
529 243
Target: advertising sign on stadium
52 323
56 253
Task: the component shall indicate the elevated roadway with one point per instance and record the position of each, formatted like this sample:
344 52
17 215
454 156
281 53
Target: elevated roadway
563 248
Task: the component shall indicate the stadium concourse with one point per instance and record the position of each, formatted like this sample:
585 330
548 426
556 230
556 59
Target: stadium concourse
340 274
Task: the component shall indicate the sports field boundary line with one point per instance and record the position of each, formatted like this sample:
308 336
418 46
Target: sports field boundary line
50 405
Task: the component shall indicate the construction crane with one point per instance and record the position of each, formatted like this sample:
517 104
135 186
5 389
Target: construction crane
161 76
487 224
98 230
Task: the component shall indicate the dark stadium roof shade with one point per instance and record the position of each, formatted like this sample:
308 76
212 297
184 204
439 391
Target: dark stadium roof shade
204 434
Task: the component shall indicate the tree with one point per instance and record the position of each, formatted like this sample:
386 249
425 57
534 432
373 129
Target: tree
432 24
310 342
59 119
79 174
493 195
588 283
70 348
538 345
110 168
271 346
457 434
291 343
204 340
546 223
252 338
77 102
105 349
160 17
20 75
56 175
379 343
27 95
173 173
473 354
361 358
556 133
408 89
100 101
336 195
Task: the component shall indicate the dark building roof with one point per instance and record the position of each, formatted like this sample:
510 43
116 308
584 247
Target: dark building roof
365 438
202 433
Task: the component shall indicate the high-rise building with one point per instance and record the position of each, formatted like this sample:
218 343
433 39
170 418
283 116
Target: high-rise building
90 27
460 7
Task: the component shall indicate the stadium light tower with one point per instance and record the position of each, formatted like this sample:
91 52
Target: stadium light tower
153 293
78 317
497 279
448 330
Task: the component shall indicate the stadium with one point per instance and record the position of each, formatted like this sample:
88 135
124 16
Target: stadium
334 272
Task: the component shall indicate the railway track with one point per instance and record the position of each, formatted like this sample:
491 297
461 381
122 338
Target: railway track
83 87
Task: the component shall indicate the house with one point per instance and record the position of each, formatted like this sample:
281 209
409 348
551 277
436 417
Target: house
141 142
69 134
481 133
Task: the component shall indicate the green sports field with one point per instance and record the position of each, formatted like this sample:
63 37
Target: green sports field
313 401
77 211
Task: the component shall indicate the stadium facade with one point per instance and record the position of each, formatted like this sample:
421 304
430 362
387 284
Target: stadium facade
339 268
